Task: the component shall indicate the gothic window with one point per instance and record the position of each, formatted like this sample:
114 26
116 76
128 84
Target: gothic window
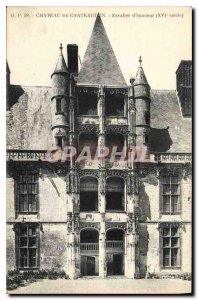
59 141
147 117
58 105
27 237
115 194
88 194
114 105
170 190
112 140
87 104
90 140
170 246
27 193
146 139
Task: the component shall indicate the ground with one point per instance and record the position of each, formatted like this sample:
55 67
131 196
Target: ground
108 286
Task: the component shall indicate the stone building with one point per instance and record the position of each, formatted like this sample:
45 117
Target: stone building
99 216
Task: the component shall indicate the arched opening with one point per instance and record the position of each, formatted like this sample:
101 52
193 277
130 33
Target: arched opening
89 250
88 194
89 140
115 251
115 140
89 235
115 194
115 235
87 105
114 105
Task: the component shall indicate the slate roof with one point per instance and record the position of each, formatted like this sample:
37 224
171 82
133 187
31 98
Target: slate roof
170 131
29 121
140 77
61 66
100 65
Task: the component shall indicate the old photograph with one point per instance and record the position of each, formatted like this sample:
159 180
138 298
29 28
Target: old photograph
99 150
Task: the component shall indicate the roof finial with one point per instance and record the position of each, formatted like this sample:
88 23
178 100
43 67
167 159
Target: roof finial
140 60
61 48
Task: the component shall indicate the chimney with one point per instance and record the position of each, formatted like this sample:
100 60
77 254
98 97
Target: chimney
184 87
72 58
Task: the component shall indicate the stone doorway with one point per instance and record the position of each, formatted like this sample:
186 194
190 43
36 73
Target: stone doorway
88 266
115 265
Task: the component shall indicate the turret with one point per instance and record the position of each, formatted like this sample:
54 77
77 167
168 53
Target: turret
142 104
60 102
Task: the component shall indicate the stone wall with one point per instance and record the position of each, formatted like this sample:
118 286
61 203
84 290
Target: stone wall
53 243
10 248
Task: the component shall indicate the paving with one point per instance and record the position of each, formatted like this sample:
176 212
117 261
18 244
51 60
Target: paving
106 286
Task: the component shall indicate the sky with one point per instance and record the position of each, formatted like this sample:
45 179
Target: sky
161 35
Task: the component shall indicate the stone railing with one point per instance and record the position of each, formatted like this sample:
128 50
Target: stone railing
173 157
26 155
89 246
114 244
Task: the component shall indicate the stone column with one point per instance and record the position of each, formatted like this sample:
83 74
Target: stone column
70 270
131 246
101 191
102 249
101 135
72 135
73 251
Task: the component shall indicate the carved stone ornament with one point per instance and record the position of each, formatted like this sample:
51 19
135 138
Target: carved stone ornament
87 128
131 106
123 129
116 225
132 183
70 219
116 91
118 173
84 225
88 172
72 184
73 225
88 90
131 140
102 182
132 223
60 132
143 171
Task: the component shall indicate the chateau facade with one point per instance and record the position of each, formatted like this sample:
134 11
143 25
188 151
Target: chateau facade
102 215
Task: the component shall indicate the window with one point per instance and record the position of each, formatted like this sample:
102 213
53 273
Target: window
146 139
115 194
59 141
114 105
27 193
170 246
147 117
27 242
87 104
58 105
170 195
88 194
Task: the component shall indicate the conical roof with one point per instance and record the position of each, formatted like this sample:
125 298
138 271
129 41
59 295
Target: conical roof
100 65
61 66
140 76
